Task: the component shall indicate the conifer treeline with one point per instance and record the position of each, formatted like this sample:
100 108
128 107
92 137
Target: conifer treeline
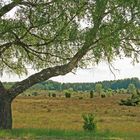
113 84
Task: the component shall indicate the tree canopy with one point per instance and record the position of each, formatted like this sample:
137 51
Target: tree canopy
47 35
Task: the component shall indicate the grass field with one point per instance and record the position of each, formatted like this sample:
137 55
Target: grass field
63 117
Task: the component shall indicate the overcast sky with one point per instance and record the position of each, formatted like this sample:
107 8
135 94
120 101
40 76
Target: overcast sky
94 73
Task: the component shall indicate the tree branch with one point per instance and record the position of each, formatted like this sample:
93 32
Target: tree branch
5 9
47 73
4 47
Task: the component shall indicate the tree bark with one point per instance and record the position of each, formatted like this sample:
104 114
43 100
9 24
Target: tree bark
5 114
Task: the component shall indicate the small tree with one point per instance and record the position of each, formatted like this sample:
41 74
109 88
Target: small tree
98 88
89 122
132 89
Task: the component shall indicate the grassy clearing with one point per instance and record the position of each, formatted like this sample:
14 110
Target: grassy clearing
43 134
65 114
61 117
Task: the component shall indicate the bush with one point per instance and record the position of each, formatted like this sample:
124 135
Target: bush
53 95
91 94
67 94
109 94
49 94
133 101
103 95
80 98
89 122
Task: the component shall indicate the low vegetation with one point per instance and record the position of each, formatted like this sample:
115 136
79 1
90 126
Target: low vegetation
134 100
57 115
89 122
67 94
53 134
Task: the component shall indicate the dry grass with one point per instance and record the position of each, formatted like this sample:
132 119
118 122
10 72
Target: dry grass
61 113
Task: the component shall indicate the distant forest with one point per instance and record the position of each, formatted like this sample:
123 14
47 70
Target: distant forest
113 84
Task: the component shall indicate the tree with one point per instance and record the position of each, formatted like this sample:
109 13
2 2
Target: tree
48 36
98 88
132 89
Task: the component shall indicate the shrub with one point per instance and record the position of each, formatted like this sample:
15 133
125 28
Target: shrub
67 94
99 88
80 98
89 122
91 94
109 94
53 95
131 89
103 95
49 94
132 101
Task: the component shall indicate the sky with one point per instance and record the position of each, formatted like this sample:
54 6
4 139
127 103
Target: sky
100 72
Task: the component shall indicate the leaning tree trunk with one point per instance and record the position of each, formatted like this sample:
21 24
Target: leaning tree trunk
5 114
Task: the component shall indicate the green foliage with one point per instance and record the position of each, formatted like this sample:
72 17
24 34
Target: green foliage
134 100
49 94
51 134
120 86
123 91
53 95
109 92
103 95
131 89
91 94
41 35
67 94
98 88
89 122
34 94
